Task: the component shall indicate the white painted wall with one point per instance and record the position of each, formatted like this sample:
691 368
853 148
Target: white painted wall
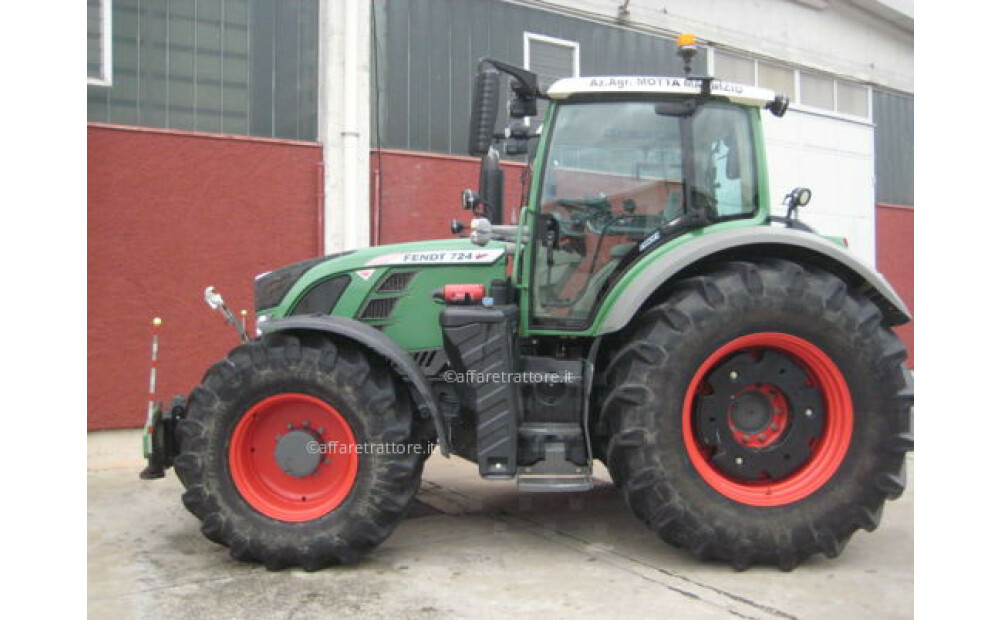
344 53
836 160
866 40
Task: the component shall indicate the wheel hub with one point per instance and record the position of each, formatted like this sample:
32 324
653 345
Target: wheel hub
751 415
297 453
750 412
758 415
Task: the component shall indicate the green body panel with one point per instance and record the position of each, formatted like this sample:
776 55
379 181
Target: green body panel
413 323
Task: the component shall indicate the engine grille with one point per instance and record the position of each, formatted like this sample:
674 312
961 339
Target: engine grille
378 309
396 282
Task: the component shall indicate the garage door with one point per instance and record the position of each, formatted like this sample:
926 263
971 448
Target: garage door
834 158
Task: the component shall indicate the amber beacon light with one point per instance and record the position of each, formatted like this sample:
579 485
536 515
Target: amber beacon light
686 49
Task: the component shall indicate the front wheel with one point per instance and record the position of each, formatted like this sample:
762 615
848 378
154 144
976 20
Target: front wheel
299 450
760 414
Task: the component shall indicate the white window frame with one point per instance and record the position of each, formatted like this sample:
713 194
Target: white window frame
796 98
531 36
105 77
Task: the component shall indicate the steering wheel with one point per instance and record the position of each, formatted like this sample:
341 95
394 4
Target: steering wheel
583 212
588 205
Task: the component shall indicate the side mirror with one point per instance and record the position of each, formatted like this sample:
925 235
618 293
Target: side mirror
485 105
491 182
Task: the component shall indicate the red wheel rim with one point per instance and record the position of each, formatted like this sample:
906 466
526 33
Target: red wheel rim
261 479
827 452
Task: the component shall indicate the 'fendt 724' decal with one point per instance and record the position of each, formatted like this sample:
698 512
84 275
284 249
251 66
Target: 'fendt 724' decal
438 257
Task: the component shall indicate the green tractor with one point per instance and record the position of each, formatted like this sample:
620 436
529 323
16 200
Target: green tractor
734 370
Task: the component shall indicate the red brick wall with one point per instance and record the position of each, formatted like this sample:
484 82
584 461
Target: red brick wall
422 192
894 258
168 214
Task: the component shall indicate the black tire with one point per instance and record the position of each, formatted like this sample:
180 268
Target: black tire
369 396
653 362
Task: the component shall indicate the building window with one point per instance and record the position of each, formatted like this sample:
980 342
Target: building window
775 77
733 68
551 59
99 42
852 98
818 91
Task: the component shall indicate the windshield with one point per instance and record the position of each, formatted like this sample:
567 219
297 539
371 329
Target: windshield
614 173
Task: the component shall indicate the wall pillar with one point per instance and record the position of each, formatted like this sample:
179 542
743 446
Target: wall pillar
344 54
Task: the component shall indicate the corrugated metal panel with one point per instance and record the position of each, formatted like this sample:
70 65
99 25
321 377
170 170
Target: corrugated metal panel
94 33
893 115
246 67
427 52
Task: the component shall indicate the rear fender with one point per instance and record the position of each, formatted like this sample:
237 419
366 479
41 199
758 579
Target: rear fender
631 294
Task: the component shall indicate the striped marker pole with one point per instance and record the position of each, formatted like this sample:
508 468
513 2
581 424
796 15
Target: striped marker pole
146 440
152 369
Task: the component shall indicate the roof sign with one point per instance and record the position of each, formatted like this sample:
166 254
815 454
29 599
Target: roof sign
646 84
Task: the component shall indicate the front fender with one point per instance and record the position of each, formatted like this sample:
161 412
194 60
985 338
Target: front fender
746 243
382 345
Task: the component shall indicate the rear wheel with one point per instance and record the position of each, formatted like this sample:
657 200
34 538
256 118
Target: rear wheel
761 414
299 451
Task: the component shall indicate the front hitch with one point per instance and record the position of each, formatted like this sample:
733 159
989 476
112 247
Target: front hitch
159 438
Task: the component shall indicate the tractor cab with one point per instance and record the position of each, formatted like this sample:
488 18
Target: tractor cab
621 166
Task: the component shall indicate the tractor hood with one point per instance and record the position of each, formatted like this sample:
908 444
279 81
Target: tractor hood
375 284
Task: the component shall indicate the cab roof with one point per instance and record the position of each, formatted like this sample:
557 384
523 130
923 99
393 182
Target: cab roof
658 84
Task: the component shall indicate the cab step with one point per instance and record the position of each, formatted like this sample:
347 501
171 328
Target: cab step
554 473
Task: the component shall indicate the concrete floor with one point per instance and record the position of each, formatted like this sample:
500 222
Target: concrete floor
471 549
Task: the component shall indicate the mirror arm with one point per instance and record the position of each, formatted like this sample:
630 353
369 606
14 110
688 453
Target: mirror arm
526 78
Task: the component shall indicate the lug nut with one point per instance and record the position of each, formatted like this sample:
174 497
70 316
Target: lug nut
774 426
739 460
733 375
762 437
809 413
